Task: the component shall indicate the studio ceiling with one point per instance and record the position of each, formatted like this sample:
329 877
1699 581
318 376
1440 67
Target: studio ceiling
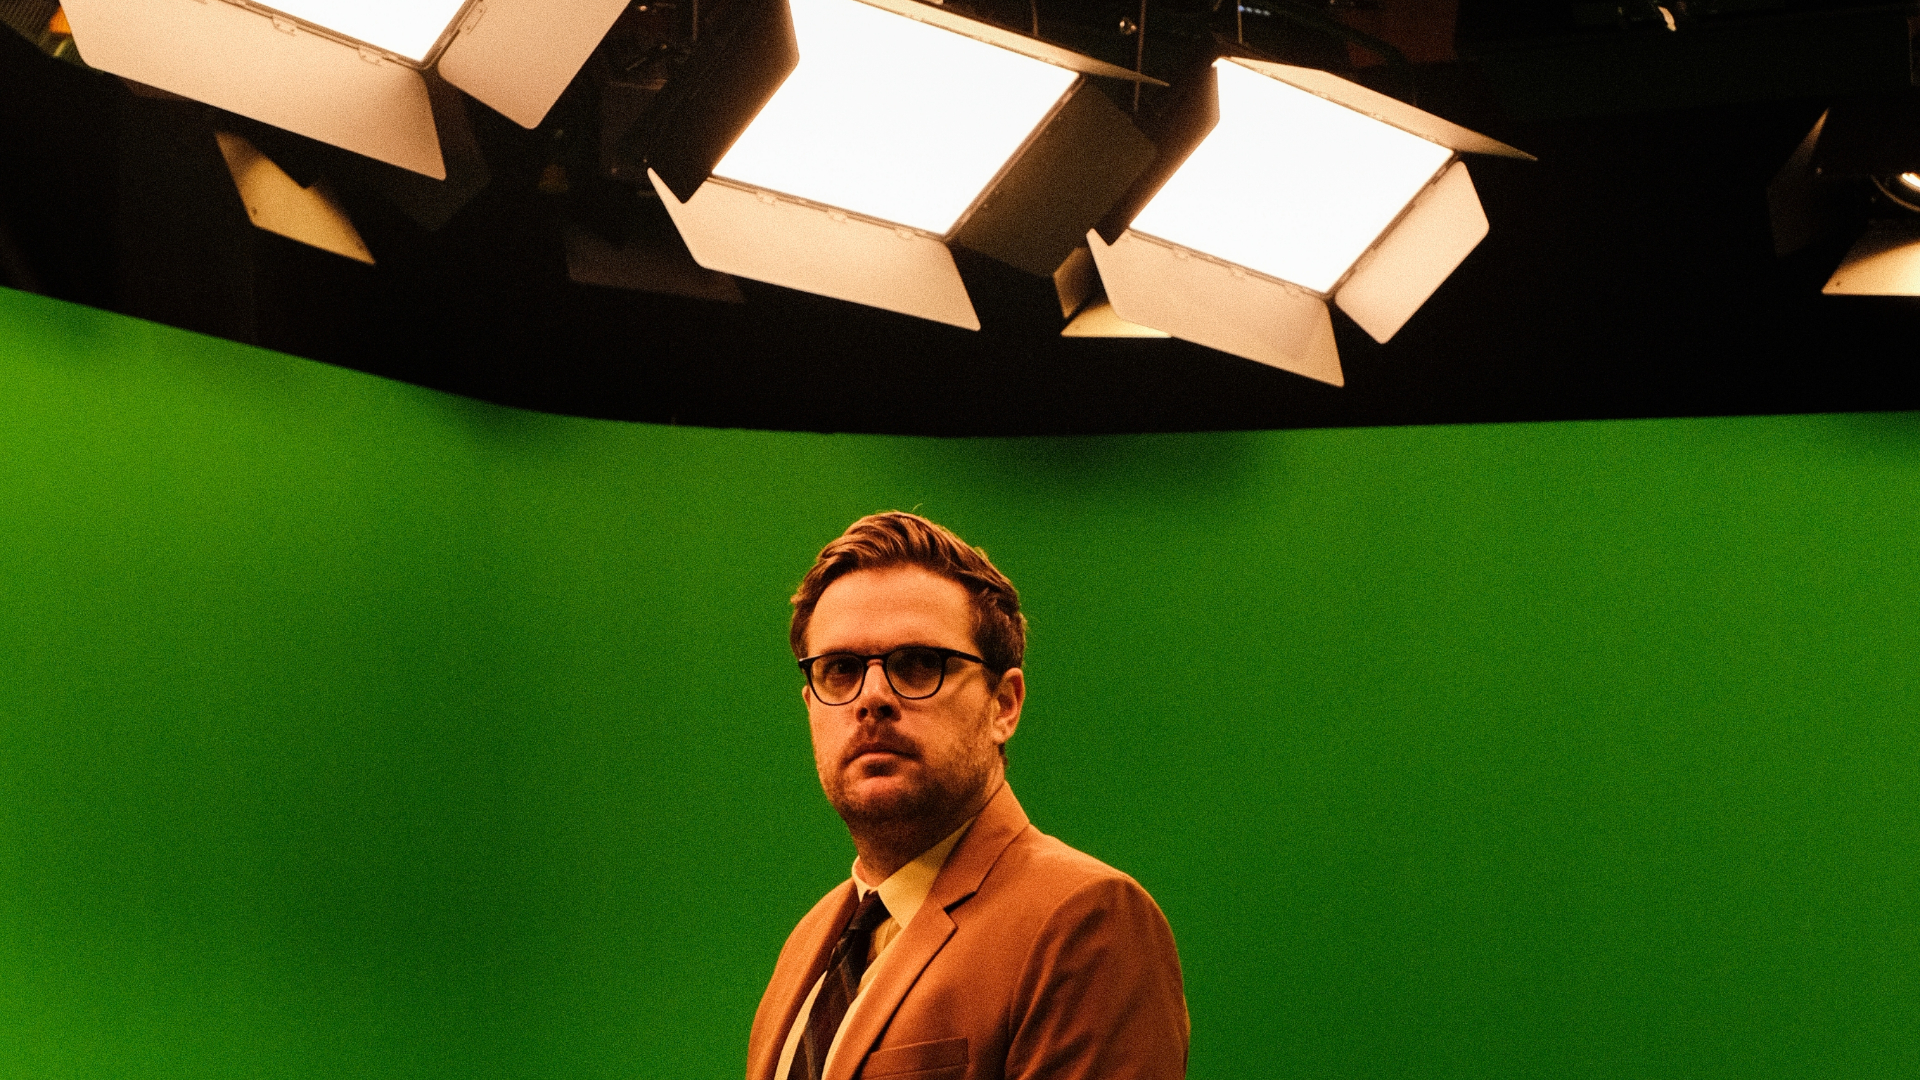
1630 272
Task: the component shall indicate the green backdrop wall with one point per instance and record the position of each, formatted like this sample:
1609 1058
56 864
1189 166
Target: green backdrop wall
349 729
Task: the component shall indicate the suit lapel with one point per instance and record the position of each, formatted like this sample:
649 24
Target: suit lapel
799 968
921 941
899 969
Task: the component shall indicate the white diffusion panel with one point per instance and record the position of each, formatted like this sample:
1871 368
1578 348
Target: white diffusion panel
237 60
1442 226
1152 284
406 28
519 55
1289 183
755 235
892 118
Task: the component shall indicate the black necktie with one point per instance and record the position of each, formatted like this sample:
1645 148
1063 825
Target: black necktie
844 968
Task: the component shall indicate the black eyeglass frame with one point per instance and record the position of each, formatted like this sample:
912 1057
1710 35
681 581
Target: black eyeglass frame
866 665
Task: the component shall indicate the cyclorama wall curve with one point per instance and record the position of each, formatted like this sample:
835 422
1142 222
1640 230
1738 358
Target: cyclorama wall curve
352 729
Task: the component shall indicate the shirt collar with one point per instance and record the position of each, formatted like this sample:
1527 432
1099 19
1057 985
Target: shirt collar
907 888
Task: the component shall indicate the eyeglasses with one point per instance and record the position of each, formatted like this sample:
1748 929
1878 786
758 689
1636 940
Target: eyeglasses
914 672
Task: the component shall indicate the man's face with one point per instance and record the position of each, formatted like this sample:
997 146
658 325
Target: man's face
883 758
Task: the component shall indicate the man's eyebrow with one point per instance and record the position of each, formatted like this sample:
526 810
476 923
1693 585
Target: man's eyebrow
888 649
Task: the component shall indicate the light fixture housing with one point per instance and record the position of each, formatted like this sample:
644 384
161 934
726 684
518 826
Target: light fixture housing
1858 147
348 72
1278 189
840 146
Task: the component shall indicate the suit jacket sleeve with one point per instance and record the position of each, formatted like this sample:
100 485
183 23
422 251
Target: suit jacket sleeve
1100 996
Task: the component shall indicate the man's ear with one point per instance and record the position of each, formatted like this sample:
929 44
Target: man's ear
1009 695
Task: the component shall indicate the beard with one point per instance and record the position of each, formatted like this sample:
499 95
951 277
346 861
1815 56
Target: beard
946 791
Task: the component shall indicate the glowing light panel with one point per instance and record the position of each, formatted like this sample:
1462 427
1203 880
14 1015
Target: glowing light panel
892 118
404 27
1289 183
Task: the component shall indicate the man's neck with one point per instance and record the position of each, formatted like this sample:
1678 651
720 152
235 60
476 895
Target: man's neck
885 847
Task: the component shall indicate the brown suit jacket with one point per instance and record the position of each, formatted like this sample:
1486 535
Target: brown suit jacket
1028 959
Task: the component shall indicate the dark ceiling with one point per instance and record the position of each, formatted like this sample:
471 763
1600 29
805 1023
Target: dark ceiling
1629 273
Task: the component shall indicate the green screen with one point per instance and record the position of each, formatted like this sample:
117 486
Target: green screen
350 729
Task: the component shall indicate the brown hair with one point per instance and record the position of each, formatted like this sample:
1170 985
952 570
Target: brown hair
900 539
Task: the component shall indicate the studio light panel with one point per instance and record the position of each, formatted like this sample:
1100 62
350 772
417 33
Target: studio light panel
892 119
889 133
348 72
1290 184
238 60
406 28
1300 188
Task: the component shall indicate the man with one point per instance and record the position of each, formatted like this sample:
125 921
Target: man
967 944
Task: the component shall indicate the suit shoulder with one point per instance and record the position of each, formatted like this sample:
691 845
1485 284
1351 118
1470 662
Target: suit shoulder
1048 868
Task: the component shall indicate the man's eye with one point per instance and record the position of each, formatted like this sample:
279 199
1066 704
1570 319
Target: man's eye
840 667
919 663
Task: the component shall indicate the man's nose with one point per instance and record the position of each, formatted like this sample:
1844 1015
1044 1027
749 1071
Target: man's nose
877 700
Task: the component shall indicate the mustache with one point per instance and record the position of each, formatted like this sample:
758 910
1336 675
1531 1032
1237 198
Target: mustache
881 745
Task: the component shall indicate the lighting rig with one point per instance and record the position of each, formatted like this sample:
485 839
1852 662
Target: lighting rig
850 148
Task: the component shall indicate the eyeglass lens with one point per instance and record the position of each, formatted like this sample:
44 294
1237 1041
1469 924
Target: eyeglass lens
914 672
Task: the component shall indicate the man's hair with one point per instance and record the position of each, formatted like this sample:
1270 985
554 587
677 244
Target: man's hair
878 541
